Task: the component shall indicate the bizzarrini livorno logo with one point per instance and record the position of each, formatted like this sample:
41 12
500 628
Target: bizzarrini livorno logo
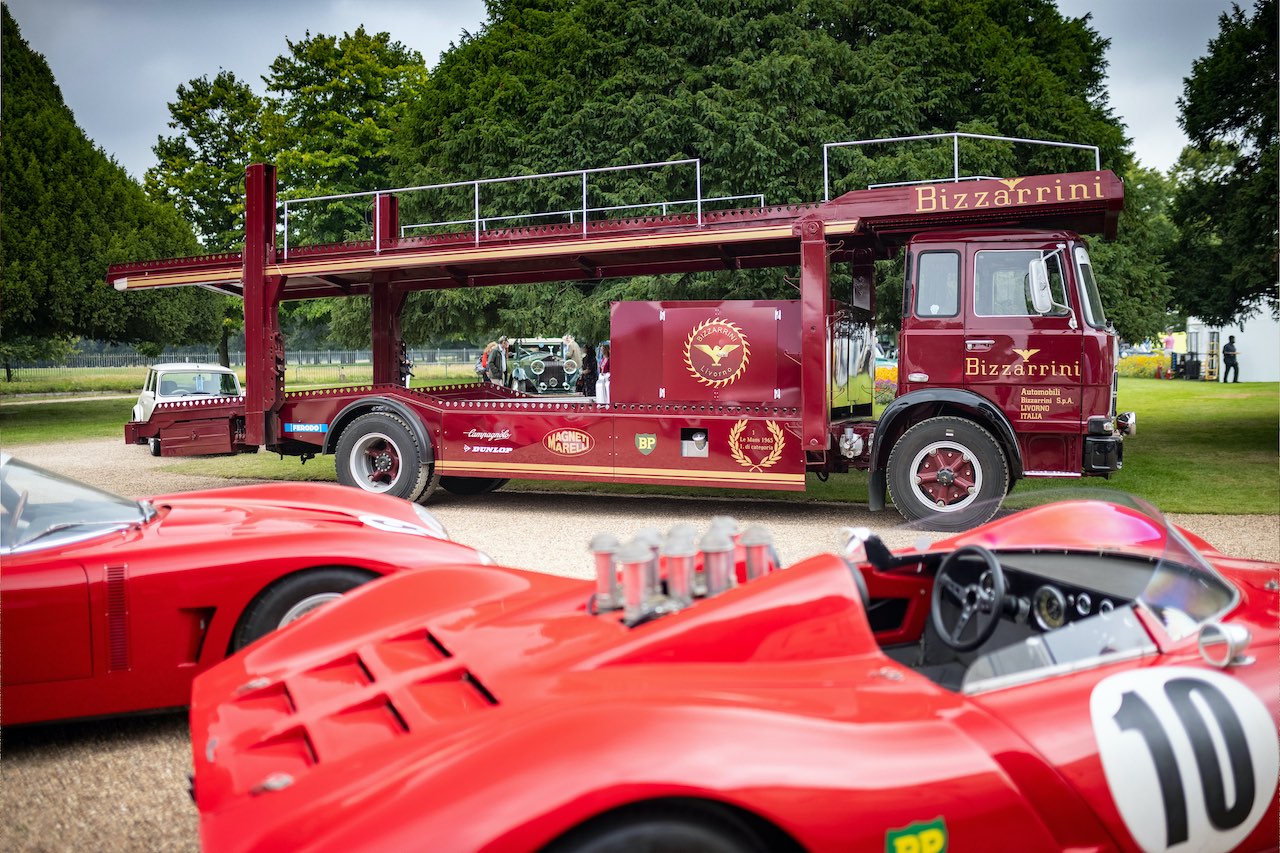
717 353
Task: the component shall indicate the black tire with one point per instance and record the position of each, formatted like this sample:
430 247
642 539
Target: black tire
153 444
948 472
379 453
656 830
292 596
467 486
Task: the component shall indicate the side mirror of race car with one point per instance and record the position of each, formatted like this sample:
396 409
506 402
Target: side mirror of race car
1224 645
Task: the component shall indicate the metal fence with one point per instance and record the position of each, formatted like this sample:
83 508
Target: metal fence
314 367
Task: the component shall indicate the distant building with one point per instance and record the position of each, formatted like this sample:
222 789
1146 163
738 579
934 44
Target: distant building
1257 339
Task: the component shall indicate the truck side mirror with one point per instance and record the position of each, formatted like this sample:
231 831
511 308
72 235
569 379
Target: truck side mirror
1038 280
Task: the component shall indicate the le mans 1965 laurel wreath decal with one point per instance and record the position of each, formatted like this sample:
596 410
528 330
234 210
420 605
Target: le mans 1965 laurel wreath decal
754 449
716 353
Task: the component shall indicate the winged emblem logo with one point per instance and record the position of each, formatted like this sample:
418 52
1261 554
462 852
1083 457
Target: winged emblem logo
1026 353
717 352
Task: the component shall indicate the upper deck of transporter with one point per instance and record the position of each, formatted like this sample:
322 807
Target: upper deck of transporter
591 243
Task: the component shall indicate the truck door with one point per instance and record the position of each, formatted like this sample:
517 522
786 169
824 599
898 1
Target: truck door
930 350
1026 363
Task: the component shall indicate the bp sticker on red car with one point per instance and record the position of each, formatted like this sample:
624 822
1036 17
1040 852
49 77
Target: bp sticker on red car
1190 756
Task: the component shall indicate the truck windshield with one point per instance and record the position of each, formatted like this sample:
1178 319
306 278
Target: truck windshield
1093 314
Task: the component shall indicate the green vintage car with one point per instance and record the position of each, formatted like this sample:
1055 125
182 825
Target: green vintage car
539 366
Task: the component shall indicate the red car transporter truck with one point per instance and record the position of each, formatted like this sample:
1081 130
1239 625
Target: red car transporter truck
1006 362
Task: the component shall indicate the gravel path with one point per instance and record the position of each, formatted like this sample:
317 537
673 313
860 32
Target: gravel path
121 784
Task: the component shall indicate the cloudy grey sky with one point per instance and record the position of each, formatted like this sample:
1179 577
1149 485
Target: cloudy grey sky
119 62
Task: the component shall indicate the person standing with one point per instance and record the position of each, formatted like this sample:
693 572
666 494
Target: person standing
602 381
588 374
498 362
1230 366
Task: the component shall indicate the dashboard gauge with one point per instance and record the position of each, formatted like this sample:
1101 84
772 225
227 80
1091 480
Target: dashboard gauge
1049 608
1083 604
1105 606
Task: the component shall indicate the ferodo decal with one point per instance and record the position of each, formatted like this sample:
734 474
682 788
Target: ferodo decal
306 427
568 442
717 353
1190 756
756 447
924 837
646 442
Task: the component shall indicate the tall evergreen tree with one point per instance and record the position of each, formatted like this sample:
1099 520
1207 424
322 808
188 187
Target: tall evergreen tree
68 212
753 89
1226 202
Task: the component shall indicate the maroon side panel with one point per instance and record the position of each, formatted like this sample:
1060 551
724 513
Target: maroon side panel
734 353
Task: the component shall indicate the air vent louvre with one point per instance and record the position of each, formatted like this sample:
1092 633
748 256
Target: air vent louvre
117 620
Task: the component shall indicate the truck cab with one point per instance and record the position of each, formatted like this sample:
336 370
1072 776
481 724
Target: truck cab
1004 328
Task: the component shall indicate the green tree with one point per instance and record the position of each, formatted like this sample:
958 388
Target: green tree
333 106
1133 279
753 89
1225 205
68 212
200 169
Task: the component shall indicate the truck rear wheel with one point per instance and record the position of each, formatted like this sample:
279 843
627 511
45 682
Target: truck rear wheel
379 453
948 472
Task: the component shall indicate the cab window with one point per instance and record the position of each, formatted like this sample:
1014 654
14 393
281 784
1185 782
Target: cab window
1002 288
938 285
1093 313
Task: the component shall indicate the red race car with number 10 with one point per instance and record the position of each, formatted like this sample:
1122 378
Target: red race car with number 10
1079 676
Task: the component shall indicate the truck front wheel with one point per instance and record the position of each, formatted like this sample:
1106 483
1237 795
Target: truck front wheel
378 452
948 472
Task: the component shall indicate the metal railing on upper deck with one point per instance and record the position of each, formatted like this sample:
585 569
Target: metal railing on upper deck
478 224
955 138
582 214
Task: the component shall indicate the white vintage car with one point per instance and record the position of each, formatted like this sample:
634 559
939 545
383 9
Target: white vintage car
174 382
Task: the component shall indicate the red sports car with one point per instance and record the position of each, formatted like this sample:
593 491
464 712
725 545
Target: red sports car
109 605
1079 676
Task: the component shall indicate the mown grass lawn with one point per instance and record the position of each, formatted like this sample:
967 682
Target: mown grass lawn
1201 447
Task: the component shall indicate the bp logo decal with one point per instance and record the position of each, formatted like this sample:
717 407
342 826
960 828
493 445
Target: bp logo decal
1190 756
756 447
568 442
646 442
716 353
925 837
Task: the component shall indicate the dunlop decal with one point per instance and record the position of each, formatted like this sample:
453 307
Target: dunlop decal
716 353
756 451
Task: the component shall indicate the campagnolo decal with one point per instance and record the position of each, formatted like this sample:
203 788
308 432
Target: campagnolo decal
568 442
488 435
1190 756
306 427
716 353
755 449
